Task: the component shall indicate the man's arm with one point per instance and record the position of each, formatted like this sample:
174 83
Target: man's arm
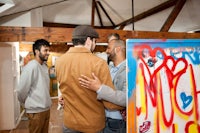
115 96
24 85
103 91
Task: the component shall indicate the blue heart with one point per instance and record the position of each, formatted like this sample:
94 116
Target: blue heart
186 100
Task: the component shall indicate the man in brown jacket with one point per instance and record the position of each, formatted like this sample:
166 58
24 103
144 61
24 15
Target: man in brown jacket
82 111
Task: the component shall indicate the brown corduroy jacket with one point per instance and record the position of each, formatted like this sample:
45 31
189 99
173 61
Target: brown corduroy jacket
82 111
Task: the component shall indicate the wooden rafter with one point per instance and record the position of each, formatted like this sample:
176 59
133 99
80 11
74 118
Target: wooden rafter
1 4
148 13
93 12
170 20
48 24
133 14
99 3
99 15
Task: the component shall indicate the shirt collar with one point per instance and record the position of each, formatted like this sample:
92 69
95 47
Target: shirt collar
119 65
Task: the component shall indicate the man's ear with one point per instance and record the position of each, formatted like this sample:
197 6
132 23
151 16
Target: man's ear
87 42
36 51
117 49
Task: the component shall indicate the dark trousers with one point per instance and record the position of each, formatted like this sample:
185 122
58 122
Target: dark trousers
115 126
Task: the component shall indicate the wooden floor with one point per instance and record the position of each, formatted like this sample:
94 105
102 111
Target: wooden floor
55 124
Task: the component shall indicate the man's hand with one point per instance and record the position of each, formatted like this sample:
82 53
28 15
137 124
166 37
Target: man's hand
61 102
92 84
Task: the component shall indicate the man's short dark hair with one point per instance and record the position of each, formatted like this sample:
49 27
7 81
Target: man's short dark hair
39 43
80 41
81 33
116 35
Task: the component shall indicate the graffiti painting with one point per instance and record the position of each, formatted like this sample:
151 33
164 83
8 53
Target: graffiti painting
163 85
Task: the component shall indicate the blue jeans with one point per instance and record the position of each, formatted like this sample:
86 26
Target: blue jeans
67 130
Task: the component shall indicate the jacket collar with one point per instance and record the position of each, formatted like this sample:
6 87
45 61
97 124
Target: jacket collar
78 50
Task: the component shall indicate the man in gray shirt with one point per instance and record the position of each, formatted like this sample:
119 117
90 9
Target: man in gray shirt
33 89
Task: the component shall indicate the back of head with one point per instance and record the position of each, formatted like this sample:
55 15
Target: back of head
118 42
81 33
39 43
113 36
121 44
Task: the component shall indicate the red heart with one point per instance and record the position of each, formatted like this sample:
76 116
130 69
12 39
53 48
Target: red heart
138 111
150 53
176 67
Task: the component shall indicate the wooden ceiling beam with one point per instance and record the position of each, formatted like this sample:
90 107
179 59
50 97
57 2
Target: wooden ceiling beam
99 3
1 4
99 15
49 24
93 13
59 25
170 20
148 13
30 34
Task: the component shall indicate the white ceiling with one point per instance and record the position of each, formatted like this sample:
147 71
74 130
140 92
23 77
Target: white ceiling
79 12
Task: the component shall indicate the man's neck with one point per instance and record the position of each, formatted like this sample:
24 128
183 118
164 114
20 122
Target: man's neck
118 61
38 60
81 46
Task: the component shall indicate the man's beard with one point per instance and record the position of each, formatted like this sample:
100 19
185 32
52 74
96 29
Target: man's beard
111 56
42 57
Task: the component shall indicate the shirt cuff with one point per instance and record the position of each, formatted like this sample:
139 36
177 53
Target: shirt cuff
99 89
